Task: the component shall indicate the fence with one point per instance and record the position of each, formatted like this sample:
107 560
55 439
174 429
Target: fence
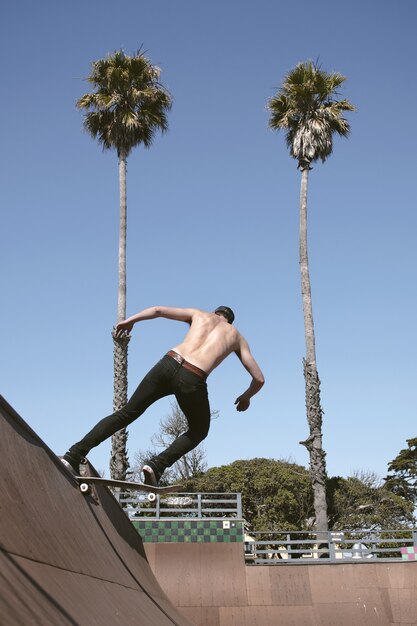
184 505
297 547
278 547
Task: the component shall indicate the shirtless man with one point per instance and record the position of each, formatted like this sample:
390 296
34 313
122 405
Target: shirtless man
183 372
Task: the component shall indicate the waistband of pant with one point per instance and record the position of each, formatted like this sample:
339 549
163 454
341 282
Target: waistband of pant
188 366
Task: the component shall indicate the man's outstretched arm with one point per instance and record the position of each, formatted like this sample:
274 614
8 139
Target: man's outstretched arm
258 380
169 312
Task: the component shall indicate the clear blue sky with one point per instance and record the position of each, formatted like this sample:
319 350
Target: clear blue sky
213 219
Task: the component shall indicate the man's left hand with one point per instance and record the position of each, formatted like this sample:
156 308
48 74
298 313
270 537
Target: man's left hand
122 328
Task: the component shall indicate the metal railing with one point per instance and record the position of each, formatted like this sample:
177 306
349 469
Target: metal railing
184 505
297 547
287 547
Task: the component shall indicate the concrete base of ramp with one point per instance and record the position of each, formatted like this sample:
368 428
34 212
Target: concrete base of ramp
212 586
66 558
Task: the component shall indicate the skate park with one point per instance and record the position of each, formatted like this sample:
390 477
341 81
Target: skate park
68 558
202 203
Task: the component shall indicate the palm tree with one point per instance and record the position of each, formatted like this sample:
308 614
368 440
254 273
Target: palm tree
306 108
127 107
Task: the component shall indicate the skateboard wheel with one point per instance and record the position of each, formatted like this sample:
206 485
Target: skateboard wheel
151 497
84 488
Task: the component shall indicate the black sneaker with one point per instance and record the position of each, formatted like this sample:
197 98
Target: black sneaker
150 474
71 463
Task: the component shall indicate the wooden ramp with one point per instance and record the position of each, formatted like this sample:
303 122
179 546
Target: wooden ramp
66 558
212 586
70 559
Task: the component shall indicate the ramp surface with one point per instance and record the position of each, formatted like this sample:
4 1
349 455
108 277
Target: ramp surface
212 586
67 558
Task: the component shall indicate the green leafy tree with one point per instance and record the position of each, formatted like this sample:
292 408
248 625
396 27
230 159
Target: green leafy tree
127 106
276 495
362 502
402 472
305 107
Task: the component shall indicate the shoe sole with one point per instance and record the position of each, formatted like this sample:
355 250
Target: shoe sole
149 476
69 466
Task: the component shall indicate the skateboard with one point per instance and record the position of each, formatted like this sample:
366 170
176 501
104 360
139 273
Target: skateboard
85 483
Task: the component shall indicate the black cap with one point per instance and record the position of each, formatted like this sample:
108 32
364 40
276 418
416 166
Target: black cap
226 312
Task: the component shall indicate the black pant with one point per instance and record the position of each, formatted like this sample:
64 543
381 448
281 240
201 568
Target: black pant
166 378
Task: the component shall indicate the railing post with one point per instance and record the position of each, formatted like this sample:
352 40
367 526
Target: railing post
332 550
239 506
415 537
199 511
158 506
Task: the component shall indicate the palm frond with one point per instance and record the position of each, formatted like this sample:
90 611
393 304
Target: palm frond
128 104
306 107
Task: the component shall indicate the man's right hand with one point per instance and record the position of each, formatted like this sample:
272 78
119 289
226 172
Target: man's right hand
242 402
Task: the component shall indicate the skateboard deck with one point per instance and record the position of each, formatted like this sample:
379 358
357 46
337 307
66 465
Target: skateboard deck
85 483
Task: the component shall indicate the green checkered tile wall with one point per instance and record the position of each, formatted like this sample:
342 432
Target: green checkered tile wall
190 531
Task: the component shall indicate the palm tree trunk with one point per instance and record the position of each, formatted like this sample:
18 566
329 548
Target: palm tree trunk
312 381
119 462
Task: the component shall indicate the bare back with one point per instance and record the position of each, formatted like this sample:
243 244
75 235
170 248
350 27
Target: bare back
209 340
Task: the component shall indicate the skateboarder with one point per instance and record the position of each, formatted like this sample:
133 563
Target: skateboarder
183 372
